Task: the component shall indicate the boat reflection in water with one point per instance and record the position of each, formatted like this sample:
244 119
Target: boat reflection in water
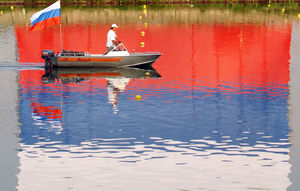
117 78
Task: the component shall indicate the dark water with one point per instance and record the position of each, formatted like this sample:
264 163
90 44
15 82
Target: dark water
213 113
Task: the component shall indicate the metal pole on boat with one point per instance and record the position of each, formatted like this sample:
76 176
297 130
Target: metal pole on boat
115 47
60 37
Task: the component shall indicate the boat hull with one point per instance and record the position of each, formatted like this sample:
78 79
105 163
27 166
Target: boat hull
102 61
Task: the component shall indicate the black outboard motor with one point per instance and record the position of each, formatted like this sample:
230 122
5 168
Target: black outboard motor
48 56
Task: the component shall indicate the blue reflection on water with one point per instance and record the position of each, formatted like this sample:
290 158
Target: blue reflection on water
224 119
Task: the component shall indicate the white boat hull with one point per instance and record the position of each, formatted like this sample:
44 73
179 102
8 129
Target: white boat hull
98 61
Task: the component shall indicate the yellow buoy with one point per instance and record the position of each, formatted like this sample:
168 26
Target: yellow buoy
269 5
138 97
283 10
1 12
11 7
140 17
146 24
298 15
142 33
142 44
144 6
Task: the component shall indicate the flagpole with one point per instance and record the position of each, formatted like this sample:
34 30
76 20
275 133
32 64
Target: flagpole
61 45
60 34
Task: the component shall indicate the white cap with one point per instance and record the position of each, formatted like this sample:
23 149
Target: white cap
114 25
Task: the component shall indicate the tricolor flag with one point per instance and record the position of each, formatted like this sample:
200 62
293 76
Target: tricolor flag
46 17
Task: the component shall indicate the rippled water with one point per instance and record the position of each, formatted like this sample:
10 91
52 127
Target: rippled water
213 113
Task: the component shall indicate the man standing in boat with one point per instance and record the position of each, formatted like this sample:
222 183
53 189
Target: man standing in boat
112 39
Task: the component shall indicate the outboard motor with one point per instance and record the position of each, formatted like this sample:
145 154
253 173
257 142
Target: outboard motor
48 56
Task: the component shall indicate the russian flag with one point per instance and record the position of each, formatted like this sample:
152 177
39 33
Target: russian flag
46 17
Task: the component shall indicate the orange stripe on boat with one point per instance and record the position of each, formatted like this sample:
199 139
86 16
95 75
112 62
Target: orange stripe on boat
68 59
89 59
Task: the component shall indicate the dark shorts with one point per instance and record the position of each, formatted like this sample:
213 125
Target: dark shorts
109 49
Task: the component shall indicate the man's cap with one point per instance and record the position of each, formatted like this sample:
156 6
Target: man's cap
114 25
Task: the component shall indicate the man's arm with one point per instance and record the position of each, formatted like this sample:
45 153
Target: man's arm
116 41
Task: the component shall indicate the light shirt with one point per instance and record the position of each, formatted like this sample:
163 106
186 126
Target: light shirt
111 35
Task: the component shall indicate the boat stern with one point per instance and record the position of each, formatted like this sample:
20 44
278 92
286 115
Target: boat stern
50 58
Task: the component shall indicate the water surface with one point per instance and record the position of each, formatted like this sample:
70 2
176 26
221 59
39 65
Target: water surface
213 113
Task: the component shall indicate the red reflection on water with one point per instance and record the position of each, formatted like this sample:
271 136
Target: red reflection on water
51 112
210 54
30 81
215 54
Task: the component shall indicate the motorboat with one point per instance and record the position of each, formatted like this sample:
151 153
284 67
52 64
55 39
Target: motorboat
117 57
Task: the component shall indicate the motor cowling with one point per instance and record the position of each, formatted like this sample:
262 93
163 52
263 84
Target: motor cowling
48 56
